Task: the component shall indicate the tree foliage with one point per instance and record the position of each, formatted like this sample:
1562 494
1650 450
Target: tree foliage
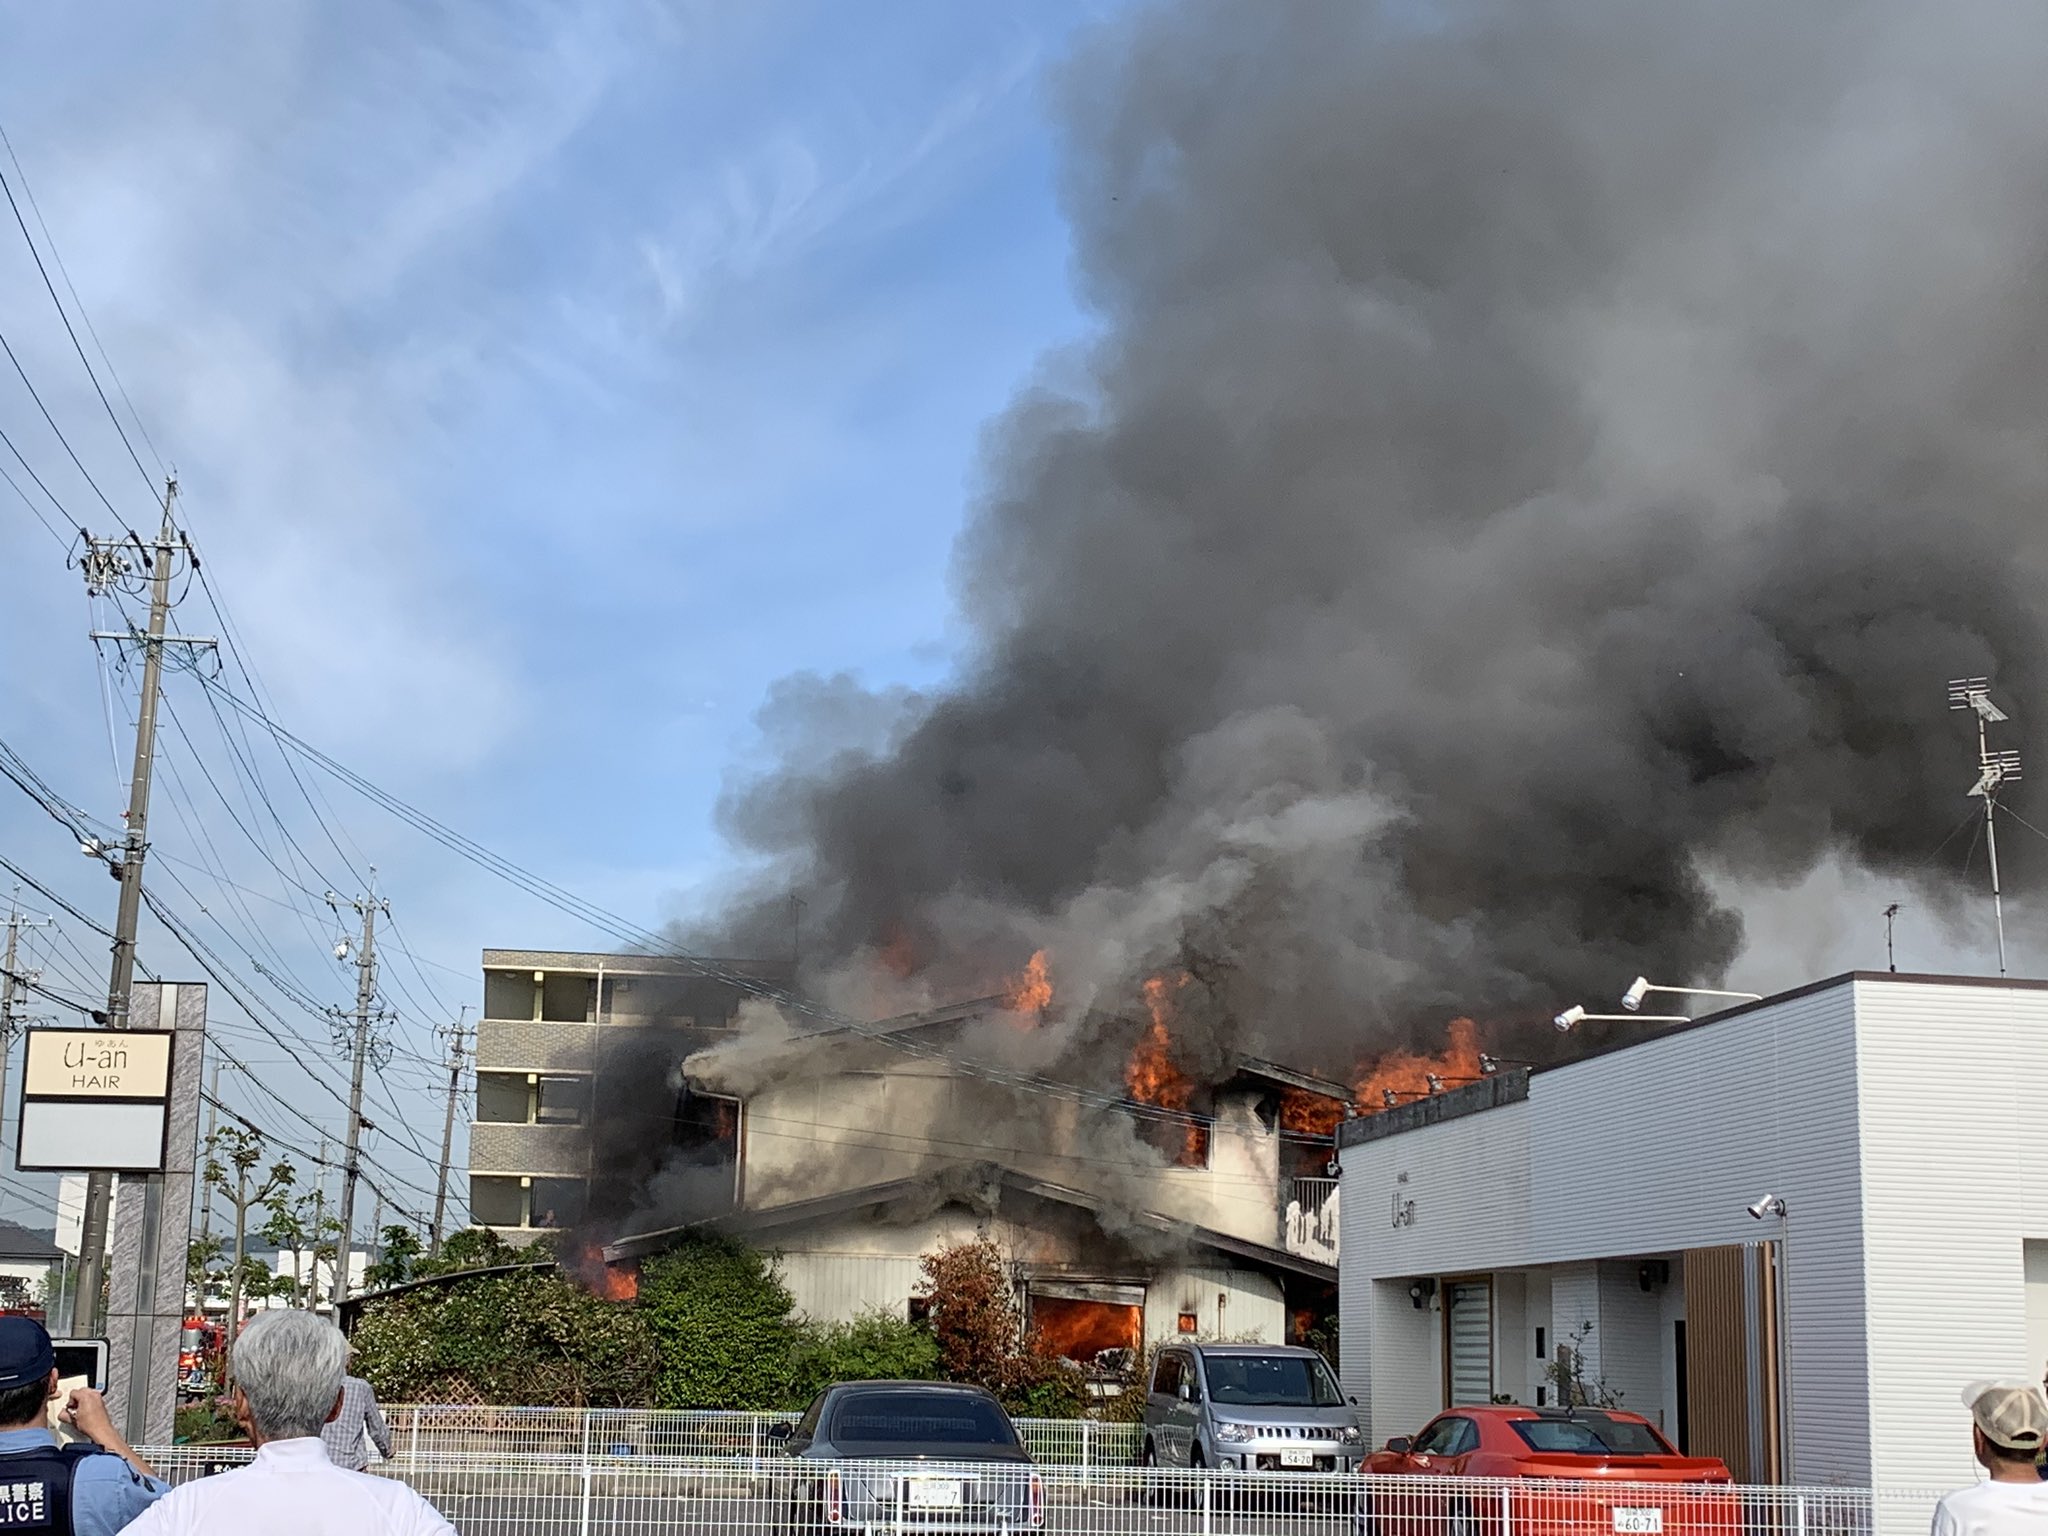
981 1338
721 1317
402 1252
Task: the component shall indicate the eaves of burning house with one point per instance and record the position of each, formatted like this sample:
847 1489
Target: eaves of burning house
856 1152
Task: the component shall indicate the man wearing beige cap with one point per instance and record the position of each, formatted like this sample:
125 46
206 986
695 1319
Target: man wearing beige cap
2010 1427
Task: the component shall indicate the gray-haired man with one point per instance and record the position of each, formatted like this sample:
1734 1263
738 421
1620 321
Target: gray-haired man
288 1369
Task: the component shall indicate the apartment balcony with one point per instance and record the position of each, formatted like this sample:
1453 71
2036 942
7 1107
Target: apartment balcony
1308 1221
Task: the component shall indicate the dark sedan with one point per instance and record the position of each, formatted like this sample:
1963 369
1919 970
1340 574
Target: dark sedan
911 1455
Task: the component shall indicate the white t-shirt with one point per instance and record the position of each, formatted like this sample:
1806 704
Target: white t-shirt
291 1489
1994 1509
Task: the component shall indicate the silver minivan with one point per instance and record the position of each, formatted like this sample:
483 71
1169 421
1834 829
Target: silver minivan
1248 1408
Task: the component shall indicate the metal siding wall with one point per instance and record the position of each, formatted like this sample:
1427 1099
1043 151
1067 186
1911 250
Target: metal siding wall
1355 1299
839 1287
1685 1132
1574 1301
1255 1311
2035 1267
1942 1072
1469 1180
1407 1362
1628 1327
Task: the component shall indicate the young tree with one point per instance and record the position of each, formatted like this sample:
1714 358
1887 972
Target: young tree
973 1315
981 1335
232 1153
203 1256
402 1251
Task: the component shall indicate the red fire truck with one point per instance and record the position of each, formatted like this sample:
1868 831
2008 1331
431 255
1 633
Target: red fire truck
201 1345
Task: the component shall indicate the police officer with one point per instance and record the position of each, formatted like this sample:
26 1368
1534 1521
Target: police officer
92 1488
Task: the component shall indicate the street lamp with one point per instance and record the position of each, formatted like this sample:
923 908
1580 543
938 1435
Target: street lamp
1642 987
1576 1015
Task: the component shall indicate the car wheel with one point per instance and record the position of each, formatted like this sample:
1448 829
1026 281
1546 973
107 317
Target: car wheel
1148 1466
1363 1521
1463 1521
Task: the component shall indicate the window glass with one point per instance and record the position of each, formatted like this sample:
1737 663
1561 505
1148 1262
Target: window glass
911 1417
1272 1381
496 1202
558 1202
508 994
1167 1378
1436 1440
1464 1438
502 1098
563 1099
1590 1436
807 1426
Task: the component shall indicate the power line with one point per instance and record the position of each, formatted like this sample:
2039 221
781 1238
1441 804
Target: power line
68 331
29 384
656 944
71 288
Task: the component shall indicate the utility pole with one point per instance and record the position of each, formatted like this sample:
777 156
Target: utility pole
376 1244
319 1226
212 1130
107 568
10 977
456 1041
366 997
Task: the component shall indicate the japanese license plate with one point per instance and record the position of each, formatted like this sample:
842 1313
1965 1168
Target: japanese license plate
1638 1522
1293 1458
936 1493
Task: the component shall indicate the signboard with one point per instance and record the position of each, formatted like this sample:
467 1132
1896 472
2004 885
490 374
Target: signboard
94 1099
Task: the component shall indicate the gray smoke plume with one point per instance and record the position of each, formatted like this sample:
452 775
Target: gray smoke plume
1536 461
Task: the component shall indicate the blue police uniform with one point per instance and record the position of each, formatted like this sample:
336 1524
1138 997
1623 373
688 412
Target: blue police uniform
72 1490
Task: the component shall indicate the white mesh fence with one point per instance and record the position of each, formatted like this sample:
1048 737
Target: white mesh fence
505 1493
438 1428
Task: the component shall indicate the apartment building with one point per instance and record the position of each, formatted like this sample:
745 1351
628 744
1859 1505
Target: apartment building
571 1060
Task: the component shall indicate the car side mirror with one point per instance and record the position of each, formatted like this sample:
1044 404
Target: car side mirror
1400 1445
1186 1393
1352 1401
780 1430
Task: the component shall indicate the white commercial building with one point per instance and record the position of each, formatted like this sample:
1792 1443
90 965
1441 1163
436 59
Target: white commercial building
1603 1208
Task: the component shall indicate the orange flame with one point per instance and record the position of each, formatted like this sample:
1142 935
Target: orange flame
1406 1074
1152 1077
1309 1114
1081 1330
1031 992
613 1283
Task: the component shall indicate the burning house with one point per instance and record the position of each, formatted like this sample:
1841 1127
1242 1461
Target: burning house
1176 1208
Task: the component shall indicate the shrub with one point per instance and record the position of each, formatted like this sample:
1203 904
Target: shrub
873 1347
535 1338
720 1318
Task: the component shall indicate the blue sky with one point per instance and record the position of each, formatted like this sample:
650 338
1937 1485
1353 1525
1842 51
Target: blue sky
540 392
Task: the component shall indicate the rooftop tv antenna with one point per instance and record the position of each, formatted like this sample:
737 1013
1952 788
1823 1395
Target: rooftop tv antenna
1995 770
1891 915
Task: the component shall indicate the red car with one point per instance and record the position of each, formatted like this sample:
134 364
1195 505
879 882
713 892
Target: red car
1559 1472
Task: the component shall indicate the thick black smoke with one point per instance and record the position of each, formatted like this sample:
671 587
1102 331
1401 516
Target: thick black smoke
1537 462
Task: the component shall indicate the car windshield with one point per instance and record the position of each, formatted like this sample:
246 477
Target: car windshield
1271 1381
1590 1437
922 1418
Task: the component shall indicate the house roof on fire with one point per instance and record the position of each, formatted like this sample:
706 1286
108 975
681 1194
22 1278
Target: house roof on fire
937 1020
971 1180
